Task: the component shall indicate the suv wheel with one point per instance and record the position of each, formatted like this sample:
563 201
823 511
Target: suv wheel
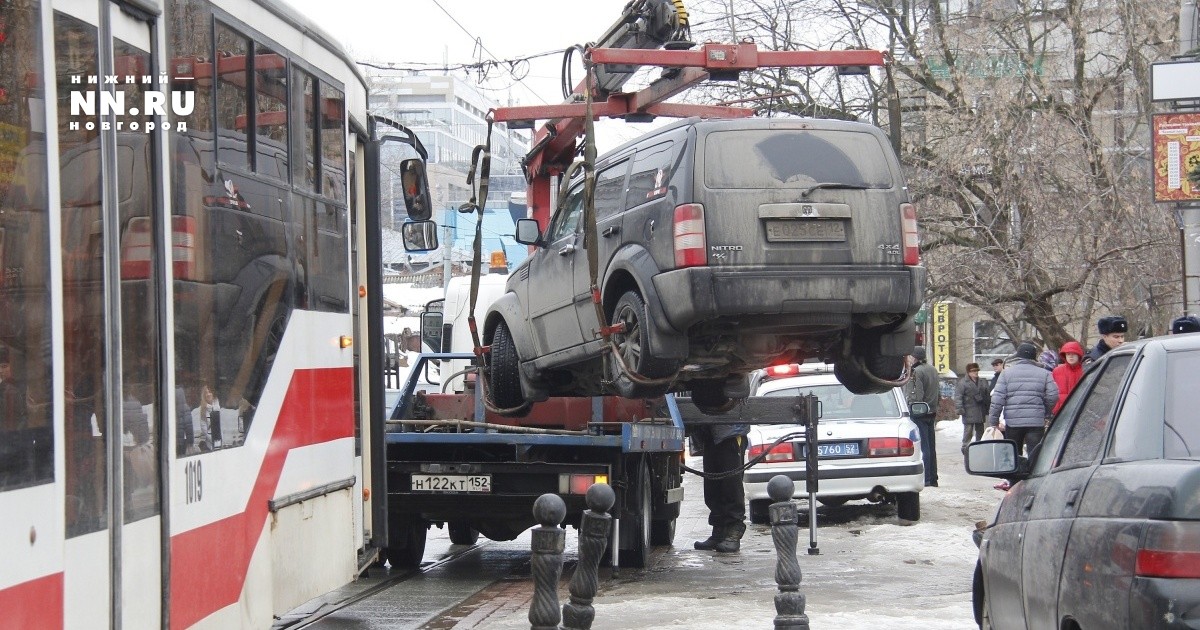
708 394
504 379
633 346
849 374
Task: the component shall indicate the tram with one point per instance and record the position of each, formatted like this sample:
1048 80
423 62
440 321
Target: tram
188 190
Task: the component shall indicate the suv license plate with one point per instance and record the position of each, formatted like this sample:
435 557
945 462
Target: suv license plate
451 483
800 230
835 449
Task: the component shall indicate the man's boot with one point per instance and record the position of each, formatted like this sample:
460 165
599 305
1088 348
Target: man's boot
733 539
711 542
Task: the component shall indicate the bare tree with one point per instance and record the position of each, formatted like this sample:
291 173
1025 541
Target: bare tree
1024 133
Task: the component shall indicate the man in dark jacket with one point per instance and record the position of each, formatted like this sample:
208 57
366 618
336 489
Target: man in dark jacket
1026 393
971 403
1185 324
923 387
724 449
1112 334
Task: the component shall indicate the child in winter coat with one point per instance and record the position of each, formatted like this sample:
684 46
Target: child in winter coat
1068 372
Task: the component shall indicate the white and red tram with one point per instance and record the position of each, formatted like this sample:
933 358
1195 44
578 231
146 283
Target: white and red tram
181 410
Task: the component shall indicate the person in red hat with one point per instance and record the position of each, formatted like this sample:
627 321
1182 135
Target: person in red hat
1068 371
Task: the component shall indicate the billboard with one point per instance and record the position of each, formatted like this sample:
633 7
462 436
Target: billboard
940 344
1176 156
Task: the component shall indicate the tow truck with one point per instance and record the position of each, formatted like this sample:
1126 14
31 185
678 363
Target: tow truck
451 458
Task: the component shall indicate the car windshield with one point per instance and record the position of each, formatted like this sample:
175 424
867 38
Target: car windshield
773 158
837 403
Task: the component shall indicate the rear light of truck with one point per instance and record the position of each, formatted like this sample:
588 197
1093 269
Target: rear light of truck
890 447
908 223
781 453
1169 549
689 238
577 483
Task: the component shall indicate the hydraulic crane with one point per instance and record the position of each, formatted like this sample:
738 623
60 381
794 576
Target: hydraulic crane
648 33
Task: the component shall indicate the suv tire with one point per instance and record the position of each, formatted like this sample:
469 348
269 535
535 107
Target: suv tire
504 379
849 374
708 394
632 344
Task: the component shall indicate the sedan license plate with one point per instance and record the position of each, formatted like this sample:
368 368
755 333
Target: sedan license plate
799 230
451 483
834 449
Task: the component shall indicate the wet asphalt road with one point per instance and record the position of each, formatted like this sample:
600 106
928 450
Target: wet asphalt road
873 572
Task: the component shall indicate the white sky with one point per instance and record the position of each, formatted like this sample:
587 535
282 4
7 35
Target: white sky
420 31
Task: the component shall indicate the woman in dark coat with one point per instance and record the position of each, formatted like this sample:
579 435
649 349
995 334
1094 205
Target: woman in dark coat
971 401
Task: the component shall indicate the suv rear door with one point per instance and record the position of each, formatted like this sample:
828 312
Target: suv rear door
789 193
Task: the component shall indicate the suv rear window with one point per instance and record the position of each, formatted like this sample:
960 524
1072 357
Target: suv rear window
794 158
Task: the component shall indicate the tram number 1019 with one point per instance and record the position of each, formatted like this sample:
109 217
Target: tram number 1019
192 478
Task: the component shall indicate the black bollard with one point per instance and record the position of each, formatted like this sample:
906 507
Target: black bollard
789 603
593 536
546 563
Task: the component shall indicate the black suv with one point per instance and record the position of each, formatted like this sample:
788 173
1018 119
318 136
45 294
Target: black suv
723 246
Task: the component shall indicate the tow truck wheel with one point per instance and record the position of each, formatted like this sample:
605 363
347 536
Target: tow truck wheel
462 533
662 533
412 533
637 556
632 344
504 380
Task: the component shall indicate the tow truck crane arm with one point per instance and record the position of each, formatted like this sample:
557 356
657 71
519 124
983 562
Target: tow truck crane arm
630 43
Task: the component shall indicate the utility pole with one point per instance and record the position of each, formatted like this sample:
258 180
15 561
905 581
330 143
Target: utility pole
1188 214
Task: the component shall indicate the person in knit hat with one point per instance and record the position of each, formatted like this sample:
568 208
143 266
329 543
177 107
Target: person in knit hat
1026 394
1068 372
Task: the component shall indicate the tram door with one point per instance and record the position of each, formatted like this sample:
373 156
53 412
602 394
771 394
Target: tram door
110 188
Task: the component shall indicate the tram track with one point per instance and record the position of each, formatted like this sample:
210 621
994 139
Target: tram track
366 593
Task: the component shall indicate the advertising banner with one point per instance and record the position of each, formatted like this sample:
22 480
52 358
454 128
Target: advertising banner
1176 156
940 348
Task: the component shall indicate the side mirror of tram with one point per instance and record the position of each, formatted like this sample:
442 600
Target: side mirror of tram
419 236
416 190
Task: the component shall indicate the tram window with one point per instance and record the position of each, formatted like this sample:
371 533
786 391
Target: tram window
82 233
333 143
271 117
306 178
328 272
26 402
233 113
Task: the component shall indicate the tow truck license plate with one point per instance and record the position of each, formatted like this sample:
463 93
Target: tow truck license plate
784 230
451 483
835 449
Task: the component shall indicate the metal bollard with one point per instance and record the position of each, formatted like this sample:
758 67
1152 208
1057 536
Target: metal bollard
593 536
546 563
789 603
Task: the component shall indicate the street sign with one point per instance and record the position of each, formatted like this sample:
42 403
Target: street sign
1176 156
1175 81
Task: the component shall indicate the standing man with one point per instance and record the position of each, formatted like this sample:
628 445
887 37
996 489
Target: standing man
1026 393
1112 334
1185 324
923 387
971 402
724 450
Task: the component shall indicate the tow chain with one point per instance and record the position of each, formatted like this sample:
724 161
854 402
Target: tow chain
748 465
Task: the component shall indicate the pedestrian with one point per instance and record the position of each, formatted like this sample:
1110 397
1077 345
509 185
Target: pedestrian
997 368
724 450
1068 372
1185 324
1112 334
1026 395
923 387
971 401
1049 360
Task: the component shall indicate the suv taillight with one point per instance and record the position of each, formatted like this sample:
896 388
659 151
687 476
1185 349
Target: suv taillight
137 246
689 236
1170 549
908 223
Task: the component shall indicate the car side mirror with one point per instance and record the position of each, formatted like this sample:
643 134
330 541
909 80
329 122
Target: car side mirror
419 236
918 408
993 458
529 232
416 189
